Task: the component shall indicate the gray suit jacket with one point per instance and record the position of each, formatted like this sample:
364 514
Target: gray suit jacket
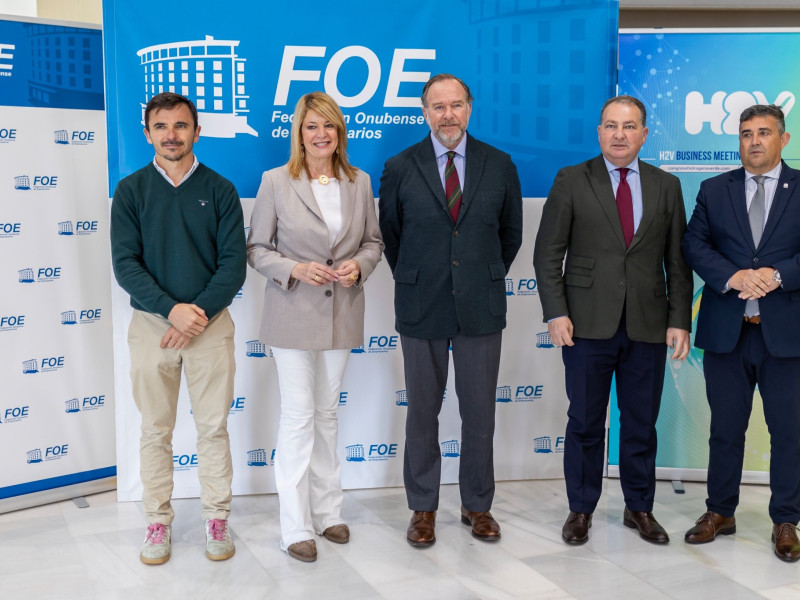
650 279
450 277
286 228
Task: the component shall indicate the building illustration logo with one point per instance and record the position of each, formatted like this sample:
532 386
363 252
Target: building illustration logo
30 366
450 448
22 182
72 406
65 228
257 349
61 136
401 398
509 286
543 340
544 445
503 394
355 453
34 456
210 73
260 458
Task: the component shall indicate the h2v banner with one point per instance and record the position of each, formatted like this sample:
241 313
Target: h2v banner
56 412
695 84
539 72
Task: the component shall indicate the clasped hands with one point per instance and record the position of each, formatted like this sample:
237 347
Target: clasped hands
317 274
753 284
188 321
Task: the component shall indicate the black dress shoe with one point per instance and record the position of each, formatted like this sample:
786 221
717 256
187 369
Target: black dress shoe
709 526
645 522
785 542
420 531
576 528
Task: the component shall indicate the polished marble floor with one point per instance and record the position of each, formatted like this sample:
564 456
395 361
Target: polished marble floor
63 552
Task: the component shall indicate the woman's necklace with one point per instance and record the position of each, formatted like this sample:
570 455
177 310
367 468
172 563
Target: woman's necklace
322 178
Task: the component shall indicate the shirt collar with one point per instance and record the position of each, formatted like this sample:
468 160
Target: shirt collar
193 168
772 174
633 166
440 149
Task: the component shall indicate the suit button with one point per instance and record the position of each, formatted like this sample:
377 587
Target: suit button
455 263
755 261
329 262
622 284
455 233
328 293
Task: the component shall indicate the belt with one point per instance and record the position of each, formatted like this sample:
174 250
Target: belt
756 320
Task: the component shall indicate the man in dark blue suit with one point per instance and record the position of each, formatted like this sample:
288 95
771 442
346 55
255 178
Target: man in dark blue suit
743 240
451 218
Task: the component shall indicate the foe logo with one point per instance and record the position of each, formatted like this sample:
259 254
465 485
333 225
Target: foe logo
528 393
184 462
382 343
397 74
723 110
16 413
382 451
56 452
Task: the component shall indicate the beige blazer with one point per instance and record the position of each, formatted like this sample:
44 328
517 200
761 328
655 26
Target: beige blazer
287 228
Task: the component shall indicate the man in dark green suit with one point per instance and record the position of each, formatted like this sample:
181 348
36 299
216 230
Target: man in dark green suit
449 253
622 293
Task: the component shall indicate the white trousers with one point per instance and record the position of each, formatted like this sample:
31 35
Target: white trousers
307 467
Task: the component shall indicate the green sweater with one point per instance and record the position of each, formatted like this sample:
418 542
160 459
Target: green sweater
172 245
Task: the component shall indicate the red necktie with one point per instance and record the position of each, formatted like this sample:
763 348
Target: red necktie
452 187
625 205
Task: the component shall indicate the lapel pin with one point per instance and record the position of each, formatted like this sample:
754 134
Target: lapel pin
785 186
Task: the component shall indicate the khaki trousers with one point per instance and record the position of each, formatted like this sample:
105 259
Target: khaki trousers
208 366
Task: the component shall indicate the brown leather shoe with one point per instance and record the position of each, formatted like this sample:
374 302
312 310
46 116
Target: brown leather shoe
576 528
338 534
786 544
484 527
645 522
305 551
420 531
709 526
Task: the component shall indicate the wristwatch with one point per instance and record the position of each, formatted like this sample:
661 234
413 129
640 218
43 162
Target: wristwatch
776 276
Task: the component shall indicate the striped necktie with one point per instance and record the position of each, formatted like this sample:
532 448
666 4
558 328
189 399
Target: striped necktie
452 187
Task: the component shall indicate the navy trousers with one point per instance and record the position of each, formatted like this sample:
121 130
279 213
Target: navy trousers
589 366
476 361
731 379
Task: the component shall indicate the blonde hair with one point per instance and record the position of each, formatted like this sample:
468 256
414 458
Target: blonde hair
325 106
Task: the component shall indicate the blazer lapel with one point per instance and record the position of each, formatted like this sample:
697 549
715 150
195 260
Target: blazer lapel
600 182
426 162
473 170
650 192
302 188
739 204
347 198
780 201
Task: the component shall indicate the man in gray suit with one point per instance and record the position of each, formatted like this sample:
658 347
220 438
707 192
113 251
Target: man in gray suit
623 292
451 219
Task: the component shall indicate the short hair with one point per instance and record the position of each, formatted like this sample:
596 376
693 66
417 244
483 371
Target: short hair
624 99
167 100
326 107
444 77
764 110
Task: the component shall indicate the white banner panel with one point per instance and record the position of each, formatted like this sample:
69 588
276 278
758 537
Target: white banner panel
56 416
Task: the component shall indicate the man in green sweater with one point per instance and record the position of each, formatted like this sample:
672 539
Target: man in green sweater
178 249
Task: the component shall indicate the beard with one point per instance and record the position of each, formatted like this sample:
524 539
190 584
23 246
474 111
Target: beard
448 140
